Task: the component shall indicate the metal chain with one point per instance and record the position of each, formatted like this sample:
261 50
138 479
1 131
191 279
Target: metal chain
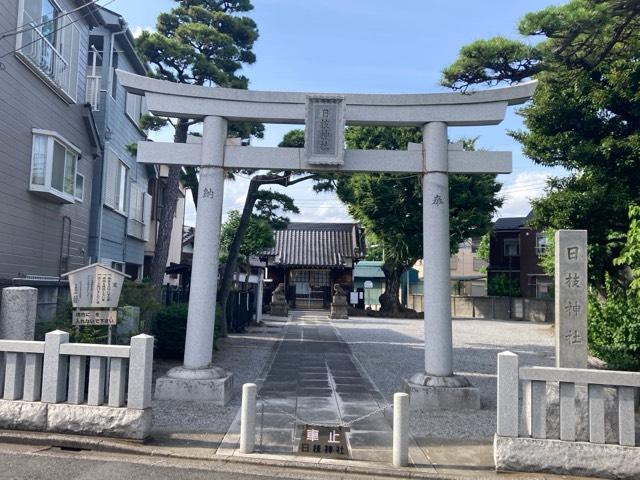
363 417
305 422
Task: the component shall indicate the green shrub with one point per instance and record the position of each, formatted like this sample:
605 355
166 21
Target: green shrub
501 286
614 328
79 334
143 295
170 328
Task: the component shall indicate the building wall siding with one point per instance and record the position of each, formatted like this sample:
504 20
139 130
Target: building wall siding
115 244
31 227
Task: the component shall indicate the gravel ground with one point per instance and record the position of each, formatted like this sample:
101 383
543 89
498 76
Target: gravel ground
245 355
392 349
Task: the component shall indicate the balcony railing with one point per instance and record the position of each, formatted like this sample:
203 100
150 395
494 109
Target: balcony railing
47 60
93 91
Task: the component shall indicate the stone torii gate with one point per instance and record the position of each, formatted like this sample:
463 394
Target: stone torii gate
324 117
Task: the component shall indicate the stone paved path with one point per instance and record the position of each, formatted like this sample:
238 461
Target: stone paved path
314 378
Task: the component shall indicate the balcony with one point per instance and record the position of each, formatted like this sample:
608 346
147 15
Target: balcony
52 62
93 91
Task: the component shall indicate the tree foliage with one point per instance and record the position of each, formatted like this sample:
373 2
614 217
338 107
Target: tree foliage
614 318
585 114
389 206
501 285
259 236
199 42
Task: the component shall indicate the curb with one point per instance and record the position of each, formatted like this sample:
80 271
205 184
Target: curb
138 448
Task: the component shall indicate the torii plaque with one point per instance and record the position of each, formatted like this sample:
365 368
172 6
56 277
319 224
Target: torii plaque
434 387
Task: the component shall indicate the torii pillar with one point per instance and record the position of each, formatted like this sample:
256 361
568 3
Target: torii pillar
198 378
437 388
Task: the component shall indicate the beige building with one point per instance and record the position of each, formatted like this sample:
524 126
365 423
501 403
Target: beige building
468 272
468 275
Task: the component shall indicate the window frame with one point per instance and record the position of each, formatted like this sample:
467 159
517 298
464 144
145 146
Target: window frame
541 249
122 187
139 218
47 188
511 241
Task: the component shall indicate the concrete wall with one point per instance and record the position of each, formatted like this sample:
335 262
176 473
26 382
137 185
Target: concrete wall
32 227
527 309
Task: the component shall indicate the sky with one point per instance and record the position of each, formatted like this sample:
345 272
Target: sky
368 46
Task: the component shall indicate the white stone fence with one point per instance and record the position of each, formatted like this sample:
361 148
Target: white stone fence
571 421
64 387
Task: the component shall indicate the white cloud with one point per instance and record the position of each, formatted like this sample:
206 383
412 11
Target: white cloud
519 193
137 30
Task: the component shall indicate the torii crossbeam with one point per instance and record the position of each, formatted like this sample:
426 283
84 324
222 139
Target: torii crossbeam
325 116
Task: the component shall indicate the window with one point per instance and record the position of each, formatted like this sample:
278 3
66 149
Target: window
116 183
79 195
544 287
136 107
511 247
49 19
54 163
139 213
541 243
48 42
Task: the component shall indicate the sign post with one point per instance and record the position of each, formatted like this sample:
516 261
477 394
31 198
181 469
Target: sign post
95 292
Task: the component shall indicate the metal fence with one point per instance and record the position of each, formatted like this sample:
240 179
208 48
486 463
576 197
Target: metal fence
241 310
241 305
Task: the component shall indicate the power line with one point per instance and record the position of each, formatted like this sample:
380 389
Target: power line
16 31
55 31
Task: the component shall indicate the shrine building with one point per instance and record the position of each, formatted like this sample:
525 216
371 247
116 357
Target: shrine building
310 258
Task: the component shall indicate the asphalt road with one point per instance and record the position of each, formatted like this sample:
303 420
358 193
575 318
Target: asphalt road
30 462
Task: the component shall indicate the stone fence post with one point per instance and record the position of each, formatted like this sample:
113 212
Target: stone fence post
508 389
55 368
18 310
140 372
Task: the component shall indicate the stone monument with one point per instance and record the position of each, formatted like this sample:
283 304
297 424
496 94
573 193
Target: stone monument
571 298
279 305
339 304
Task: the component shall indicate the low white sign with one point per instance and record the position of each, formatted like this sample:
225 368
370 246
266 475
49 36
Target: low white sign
94 317
95 286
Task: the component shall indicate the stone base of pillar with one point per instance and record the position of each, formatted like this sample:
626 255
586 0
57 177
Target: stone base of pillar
279 310
428 393
339 311
205 385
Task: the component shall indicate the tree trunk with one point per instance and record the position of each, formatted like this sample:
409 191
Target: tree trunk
165 222
390 299
234 250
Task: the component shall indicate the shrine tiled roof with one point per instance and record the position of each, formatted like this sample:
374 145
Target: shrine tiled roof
316 245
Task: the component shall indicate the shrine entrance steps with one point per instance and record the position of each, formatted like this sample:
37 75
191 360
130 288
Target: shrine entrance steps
315 379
